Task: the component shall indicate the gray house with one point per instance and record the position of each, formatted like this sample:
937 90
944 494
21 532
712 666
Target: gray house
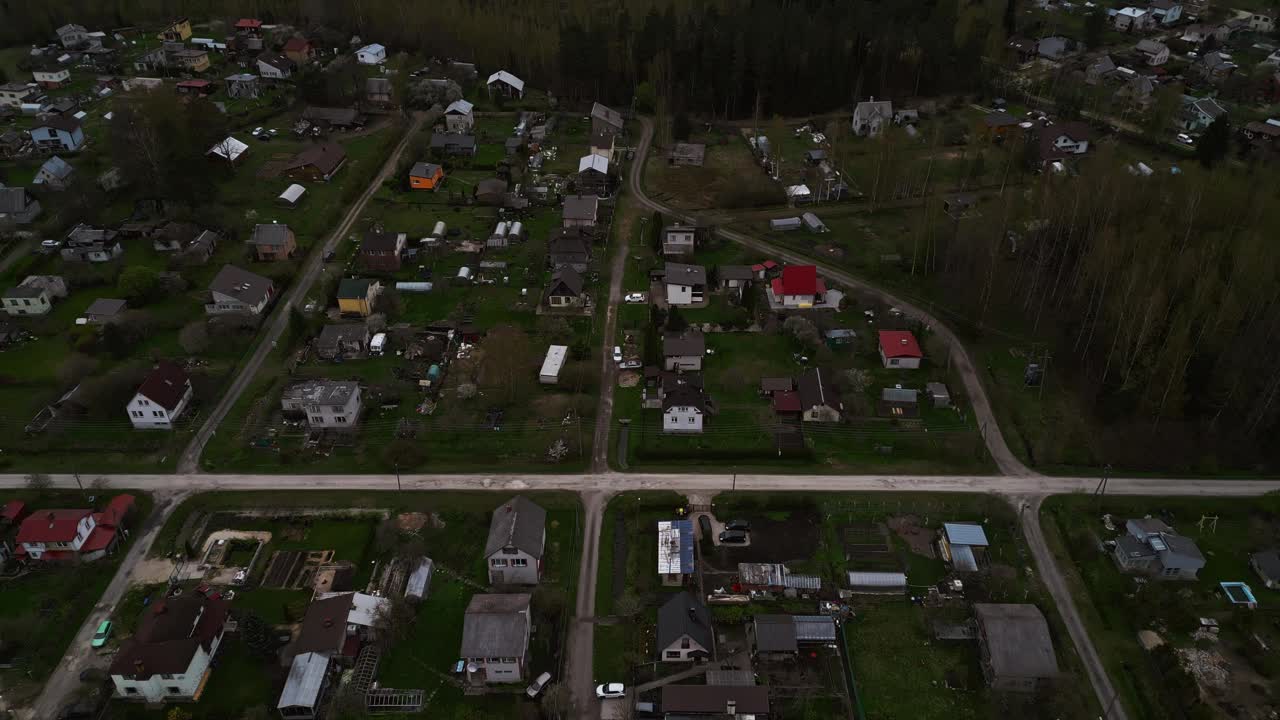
325 404
870 116
1016 650
234 290
17 206
679 240
683 351
495 638
684 629
569 247
1150 547
517 536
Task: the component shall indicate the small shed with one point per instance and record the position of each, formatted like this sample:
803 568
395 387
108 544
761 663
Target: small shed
812 223
551 366
937 393
785 224
899 402
877 583
419 583
291 195
304 689
839 337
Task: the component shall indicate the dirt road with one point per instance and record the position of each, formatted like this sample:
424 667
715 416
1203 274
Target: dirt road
578 670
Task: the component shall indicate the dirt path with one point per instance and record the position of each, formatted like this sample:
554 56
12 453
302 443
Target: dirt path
579 670
279 320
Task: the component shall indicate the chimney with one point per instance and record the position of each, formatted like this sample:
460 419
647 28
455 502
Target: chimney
328 622
693 615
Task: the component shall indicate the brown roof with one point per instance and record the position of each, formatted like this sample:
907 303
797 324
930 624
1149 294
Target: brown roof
168 635
326 157
787 401
715 699
776 384
324 627
380 242
61 122
165 386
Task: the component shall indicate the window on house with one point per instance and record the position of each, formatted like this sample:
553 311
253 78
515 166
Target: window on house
317 420
173 690
26 301
684 643
166 677
498 562
157 413
692 420
893 361
340 419
131 691
519 562
674 654
673 420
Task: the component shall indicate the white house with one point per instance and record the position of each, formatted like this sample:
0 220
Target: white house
52 77
1200 114
495 638
238 291
1133 19
517 536
686 284
27 299
683 410
683 351
505 83
1166 12
679 239
374 54
870 116
169 657
325 404
459 118
899 350
275 66
161 398
1155 53
798 288
684 629
1263 22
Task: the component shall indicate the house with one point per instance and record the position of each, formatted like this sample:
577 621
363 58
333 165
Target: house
1267 565
342 341
17 206
241 85
194 87
1196 34
453 144
72 36
1152 51
899 349
569 247
161 398
1262 21
605 119
839 337
381 251
318 162
565 289
1015 648
274 66
304 689
331 117
229 149
176 31
679 239
495 638
234 290
774 637
459 118
356 296
733 277
15 95
1055 47
425 176
715 701
1150 547
963 545
51 78
1097 71
1133 19
798 288
324 404
675 552
1261 133
72 535
1063 140
89 244
1200 114
169 658
249 26
55 174
593 175
58 133
898 402
374 54
870 116
377 91
693 154
272 241
104 310
504 83
686 284
491 191
938 394
299 50
1166 12
819 401
335 625
28 299
580 211
1215 66
192 59
684 631
684 408
517 539
151 61
683 351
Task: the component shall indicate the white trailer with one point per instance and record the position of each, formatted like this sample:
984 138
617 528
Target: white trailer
550 373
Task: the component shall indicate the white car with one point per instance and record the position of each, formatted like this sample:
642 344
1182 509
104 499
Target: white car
1186 139
611 690
634 298
257 131
537 685
617 354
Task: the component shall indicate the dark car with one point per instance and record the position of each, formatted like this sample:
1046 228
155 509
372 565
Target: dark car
742 525
704 524
329 256
733 537
76 711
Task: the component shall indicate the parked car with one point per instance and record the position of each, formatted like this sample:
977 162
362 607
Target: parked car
77 711
104 632
1186 139
634 298
537 685
733 537
704 524
739 524
49 246
611 690
617 354
330 255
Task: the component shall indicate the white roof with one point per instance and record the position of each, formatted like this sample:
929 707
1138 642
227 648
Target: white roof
555 360
292 193
507 78
306 677
965 534
594 162
364 608
374 48
876 579
80 115
798 190
462 107
673 552
1133 11
229 149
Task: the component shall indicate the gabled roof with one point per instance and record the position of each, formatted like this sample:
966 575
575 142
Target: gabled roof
685 396
296 44
687 343
64 123
1209 107
507 78
424 170
1151 47
1017 640
682 274
374 48
580 207
593 162
518 523
713 699
247 287
775 633
735 272
607 115
899 344
683 615
44 526
325 157
786 401
168 635
459 107
353 288
568 278
270 235
816 391
57 167
228 149
380 242
800 280
495 625
965 534
324 626
277 61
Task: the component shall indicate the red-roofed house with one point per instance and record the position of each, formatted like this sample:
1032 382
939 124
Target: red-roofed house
799 288
161 398
786 403
170 657
250 25
73 535
899 349
12 513
299 50
764 269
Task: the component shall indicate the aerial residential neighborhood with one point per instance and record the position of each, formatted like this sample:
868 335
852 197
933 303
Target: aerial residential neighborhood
548 361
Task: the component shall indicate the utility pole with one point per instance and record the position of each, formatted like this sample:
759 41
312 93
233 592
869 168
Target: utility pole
398 488
79 484
1101 490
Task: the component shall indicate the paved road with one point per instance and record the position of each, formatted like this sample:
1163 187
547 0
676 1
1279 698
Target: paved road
1008 463
65 679
190 460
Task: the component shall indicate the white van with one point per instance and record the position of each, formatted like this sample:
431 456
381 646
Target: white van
378 344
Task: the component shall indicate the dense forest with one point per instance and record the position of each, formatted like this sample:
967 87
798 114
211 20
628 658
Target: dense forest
727 58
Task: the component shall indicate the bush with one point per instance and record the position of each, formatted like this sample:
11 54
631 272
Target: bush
194 337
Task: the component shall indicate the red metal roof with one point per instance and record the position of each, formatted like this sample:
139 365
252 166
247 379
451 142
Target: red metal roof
786 401
799 280
193 83
899 344
165 386
248 24
769 264
51 526
115 511
100 538
13 511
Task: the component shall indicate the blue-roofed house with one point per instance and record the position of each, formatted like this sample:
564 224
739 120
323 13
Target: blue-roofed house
675 551
58 133
54 173
963 545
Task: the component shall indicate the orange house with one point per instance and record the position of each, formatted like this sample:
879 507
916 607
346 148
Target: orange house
426 176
